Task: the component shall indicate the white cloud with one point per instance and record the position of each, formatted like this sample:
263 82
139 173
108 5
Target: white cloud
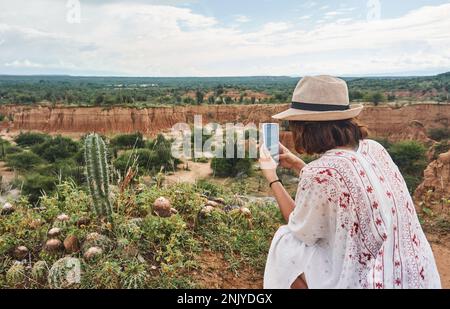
242 19
159 40
23 64
333 13
309 4
304 17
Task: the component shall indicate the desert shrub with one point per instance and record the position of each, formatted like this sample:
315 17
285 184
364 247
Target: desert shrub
410 157
208 188
128 141
35 184
222 167
57 148
412 181
163 149
147 161
234 167
231 235
4 144
439 134
2 117
441 147
23 161
174 242
27 139
64 169
12 149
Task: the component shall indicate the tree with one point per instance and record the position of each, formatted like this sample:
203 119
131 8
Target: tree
377 98
99 99
356 95
199 96
128 141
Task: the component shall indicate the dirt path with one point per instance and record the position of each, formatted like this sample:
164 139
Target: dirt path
196 172
442 256
211 274
440 244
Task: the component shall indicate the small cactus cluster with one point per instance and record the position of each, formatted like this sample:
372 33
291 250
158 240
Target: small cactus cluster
64 273
97 241
98 175
39 272
135 276
15 276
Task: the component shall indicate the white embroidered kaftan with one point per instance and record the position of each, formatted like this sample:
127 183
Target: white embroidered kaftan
354 226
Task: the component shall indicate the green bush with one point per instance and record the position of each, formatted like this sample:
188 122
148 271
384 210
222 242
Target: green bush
56 149
147 161
35 184
128 141
3 145
224 167
411 159
13 149
28 139
64 169
439 134
441 147
209 188
23 161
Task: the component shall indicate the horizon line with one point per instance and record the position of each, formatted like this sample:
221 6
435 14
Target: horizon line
223 76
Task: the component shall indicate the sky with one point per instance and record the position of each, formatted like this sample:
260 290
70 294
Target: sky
224 38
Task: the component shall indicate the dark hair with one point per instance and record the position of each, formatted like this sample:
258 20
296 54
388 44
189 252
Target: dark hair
316 137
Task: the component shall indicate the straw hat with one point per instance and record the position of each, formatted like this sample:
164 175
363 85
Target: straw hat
320 98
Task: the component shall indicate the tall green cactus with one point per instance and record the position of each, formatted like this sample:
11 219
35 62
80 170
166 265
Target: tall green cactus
97 172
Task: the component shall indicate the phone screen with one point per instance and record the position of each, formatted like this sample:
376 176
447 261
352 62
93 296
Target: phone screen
271 137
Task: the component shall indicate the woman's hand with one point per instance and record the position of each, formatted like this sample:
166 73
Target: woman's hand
289 160
267 164
269 170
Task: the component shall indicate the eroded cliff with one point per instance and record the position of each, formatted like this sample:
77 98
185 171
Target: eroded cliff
409 122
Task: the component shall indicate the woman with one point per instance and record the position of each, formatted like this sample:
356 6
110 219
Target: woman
353 222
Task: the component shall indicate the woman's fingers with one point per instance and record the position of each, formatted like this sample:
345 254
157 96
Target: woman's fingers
266 161
283 156
283 149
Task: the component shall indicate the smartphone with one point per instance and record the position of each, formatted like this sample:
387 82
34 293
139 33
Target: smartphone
271 138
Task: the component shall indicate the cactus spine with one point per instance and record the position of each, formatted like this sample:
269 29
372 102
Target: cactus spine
97 173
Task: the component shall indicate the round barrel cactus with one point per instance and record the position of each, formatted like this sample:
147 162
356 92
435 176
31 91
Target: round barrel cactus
65 273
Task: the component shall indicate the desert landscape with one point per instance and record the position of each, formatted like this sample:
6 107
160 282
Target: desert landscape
177 223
